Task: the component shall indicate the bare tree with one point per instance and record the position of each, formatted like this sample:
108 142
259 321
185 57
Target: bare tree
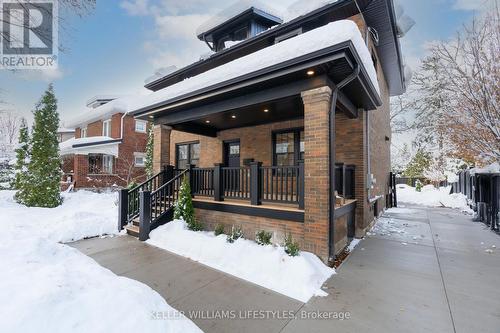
459 86
9 126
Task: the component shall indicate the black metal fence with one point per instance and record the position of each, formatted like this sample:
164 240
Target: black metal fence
483 194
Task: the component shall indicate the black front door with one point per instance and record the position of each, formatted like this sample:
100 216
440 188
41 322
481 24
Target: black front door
232 154
231 177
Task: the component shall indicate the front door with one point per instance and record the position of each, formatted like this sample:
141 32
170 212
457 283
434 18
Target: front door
231 178
232 154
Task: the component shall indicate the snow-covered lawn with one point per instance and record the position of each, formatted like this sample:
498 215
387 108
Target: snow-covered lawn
82 214
431 196
51 287
298 277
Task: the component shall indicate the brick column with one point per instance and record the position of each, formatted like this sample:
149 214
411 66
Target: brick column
161 147
316 170
80 170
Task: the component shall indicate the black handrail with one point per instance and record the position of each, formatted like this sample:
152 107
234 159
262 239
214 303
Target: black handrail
133 204
164 198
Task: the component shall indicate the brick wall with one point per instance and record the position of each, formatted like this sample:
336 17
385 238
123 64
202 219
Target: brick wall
252 224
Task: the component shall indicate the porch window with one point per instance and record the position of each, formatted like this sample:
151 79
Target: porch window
83 133
100 164
187 153
288 147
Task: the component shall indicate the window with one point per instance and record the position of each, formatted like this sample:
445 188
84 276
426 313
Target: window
95 163
140 126
187 153
100 164
83 133
107 164
139 159
288 147
106 128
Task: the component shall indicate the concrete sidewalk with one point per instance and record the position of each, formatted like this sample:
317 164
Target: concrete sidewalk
446 282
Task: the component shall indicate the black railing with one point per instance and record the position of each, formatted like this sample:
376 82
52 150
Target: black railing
236 182
281 184
202 181
129 200
257 183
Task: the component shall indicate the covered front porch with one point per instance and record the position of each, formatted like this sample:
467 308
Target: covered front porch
260 149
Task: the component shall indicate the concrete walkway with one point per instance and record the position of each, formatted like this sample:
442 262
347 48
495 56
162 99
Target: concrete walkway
441 281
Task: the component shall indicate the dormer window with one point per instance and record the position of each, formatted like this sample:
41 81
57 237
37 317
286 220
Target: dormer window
237 23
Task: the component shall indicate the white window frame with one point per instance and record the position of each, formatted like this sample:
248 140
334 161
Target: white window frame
106 127
83 133
141 156
144 123
107 164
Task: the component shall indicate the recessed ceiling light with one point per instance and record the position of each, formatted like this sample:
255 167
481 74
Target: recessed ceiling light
233 116
151 117
310 73
266 110
207 121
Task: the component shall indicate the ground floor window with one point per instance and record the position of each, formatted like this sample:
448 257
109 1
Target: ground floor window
100 164
288 147
187 153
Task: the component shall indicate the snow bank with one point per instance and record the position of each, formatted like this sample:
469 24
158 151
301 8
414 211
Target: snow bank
298 277
50 287
82 214
433 197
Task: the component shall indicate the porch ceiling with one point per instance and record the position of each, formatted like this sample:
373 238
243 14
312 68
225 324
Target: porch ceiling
277 110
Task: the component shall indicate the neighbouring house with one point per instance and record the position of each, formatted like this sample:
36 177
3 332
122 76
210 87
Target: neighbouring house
284 128
108 147
64 134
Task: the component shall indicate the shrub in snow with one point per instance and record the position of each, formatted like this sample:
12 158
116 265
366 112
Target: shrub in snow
184 209
291 247
219 229
42 187
263 237
418 185
236 233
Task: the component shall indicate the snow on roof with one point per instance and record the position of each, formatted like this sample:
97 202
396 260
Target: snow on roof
311 41
233 11
301 7
89 115
65 130
94 144
492 168
159 73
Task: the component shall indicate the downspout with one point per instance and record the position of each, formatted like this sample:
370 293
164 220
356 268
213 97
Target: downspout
331 147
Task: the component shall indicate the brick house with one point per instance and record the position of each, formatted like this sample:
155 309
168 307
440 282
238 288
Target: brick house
287 130
108 148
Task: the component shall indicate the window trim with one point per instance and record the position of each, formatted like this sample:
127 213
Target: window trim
296 141
188 143
105 125
140 155
137 121
83 131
